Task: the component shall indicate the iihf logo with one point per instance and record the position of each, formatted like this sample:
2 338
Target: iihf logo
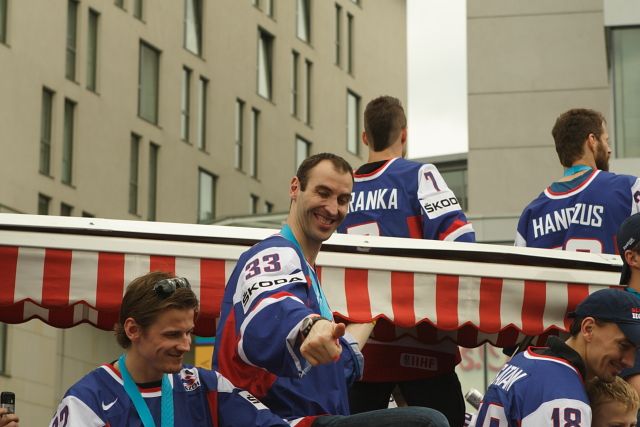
635 313
190 379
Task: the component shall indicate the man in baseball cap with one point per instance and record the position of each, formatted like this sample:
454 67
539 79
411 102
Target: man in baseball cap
605 334
629 250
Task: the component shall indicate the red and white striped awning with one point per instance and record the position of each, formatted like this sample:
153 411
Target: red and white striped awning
65 271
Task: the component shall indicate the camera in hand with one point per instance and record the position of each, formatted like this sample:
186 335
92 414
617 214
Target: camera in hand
8 400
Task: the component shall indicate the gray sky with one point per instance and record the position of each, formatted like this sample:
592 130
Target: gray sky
437 62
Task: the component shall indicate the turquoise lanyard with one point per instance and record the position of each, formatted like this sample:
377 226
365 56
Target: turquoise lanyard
325 311
166 414
576 169
633 291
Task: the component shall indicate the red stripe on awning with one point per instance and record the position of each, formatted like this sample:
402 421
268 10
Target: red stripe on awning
402 299
110 281
212 273
8 267
356 289
575 294
535 298
490 301
447 301
56 277
165 264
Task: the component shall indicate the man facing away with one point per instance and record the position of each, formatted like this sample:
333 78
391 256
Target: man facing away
582 210
277 337
149 385
401 198
545 386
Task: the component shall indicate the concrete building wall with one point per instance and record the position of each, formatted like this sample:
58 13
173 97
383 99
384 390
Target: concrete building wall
42 362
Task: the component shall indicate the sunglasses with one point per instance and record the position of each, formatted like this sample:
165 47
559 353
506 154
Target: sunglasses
166 287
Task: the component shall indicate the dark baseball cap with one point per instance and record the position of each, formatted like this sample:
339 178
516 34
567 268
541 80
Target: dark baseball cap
628 237
615 306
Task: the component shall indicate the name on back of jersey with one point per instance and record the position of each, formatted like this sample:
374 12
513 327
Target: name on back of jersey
559 220
508 376
381 198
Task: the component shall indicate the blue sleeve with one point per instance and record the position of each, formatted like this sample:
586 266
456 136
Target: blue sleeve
442 217
352 359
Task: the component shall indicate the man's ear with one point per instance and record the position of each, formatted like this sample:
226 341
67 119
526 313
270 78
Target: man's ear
365 141
587 327
403 135
631 258
132 329
294 188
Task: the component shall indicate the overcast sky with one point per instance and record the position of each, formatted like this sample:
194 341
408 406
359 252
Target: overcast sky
437 89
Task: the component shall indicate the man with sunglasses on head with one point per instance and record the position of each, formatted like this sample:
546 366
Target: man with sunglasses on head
277 337
149 385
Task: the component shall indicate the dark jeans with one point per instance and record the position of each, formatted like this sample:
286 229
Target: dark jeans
442 393
403 417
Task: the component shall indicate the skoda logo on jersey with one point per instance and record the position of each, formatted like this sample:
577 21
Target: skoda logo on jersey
262 285
190 379
441 204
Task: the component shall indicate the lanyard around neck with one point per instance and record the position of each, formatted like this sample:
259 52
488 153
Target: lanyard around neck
576 169
166 414
325 311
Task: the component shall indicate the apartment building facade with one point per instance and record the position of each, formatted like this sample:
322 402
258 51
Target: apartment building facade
179 111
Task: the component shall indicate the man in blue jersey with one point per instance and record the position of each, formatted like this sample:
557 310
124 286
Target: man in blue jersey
582 210
401 198
545 386
276 337
149 385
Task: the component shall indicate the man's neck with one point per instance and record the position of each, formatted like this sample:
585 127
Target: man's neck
309 249
139 369
391 152
634 280
579 348
585 161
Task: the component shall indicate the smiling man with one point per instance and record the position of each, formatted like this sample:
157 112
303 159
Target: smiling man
544 386
149 385
276 337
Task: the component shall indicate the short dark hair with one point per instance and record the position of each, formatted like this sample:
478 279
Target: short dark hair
570 131
340 164
141 303
384 119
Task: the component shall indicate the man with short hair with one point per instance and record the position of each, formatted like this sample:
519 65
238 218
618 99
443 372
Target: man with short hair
149 385
402 198
544 386
277 337
582 210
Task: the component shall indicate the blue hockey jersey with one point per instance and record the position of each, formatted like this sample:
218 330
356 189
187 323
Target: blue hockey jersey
200 398
402 198
534 390
580 215
267 297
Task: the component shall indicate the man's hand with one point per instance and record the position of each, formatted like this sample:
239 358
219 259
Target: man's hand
8 420
321 345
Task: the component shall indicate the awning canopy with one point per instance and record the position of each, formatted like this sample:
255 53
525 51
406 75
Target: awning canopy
65 271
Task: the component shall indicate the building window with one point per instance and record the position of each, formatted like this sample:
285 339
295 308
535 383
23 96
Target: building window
295 58
45 131
148 83
134 158
92 51
239 134
338 41
207 197
253 153
66 210
265 63
268 207
154 151
356 2
456 180
119 3
43 204
86 214
353 122
303 147
625 45
138 9
72 29
253 204
269 8
308 66
203 85
185 102
3 21
303 21
193 26
350 36
67 141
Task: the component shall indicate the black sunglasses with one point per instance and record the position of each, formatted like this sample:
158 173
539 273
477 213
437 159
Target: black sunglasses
166 287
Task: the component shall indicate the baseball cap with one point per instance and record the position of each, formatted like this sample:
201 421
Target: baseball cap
628 237
615 306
